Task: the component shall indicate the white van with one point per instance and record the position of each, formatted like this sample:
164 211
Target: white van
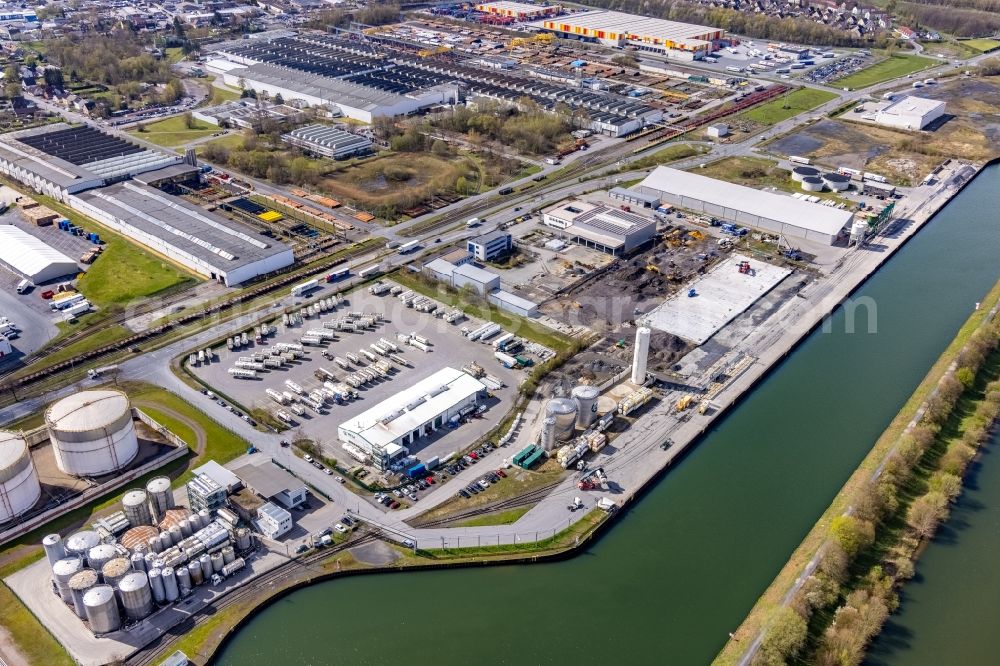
23 286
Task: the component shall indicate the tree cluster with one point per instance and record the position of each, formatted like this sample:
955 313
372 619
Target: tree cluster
527 131
962 18
108 59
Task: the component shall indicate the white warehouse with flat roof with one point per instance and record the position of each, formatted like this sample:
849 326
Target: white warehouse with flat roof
766 211
31 258
912 113
386 429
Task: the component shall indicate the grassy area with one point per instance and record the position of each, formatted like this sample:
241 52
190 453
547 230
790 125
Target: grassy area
981 45
174 131
477 308
498 518
220 95
230 141
772 597
33 640
892 67
672 153
125 272
786 106
758 173
99 338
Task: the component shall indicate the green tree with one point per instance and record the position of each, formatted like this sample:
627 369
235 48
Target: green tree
178 28
966 377
440 148
783 638
189 120
852 534
926 513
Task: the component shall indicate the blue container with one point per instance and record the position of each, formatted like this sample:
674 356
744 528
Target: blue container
417 471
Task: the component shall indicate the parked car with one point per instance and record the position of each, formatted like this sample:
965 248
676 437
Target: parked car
502 474
340 528
464 493
413 497
397 492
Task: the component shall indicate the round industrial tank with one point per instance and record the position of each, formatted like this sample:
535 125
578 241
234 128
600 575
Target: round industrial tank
102 609
836 181
812 184
100 555
176 533
228 555
137 599
62 571
196 573
115 570
204 518
19 487
173 517
80 543
185 526
641 355
156 585
55 549
138 538
154 544
183 580
586 405
81 581
92 432
243 539
169 584
217 562
548 434
161 497
135 504
800 173
563 410
138 561
206 565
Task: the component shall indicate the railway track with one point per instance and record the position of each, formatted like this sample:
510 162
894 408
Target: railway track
532 497
153 653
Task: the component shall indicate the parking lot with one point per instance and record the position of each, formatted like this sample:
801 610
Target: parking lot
448 348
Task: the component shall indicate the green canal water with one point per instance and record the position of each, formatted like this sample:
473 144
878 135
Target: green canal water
682 567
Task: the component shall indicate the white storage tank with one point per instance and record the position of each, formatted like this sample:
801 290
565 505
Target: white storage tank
204 518
563 410
80 543
197 573
161 497
169 584
586 405
55 549
116 569
243 539
102 609
228 555
183 580
836 182
813 184
800 173
548 436
92 432
19 486
137 599
135 504
640 355
156 585
138 562
62 571
100 555
217 562
79 584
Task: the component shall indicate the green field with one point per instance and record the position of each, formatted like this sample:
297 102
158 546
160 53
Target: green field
171 132
786 106
981 45
507 517
219 95
892 67
672 153
125 272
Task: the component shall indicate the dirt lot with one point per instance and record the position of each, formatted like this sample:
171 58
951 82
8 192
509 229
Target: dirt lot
971 130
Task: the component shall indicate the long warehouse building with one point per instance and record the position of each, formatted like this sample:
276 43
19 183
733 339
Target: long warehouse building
204 242
384 431
766 211
677 41
32 258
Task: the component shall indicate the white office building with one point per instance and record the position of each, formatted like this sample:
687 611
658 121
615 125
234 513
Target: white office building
273 521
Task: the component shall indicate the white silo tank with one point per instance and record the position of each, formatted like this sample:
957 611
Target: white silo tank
183 580
136 597
548 435
81 581
79 543
586 405
62 571
55 549
197 573
92 433
135 504
243 539
206 565
169 584
154 544
640 355
116 569
563 410
813 184
138 561
156 585
100 555
19 486
161 497
858 231
228 555
204 518
217 562
102 609
176 534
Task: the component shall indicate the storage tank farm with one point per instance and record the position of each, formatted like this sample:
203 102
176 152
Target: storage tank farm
92 433
19 485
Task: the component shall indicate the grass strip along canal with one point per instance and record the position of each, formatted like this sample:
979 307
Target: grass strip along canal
682 567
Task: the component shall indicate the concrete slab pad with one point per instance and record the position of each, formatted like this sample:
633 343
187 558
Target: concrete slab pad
722 295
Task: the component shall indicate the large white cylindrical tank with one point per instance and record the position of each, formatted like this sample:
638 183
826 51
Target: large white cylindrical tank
228 555
62 571
204 518
136 596
858 231
19 486
186 526
206 565
80 543
116 569
813 184
92 432
161 497
586 405
836 182
102 609
169 584
81 581
100 555
217 562
243 539
138 561
563 410
197 573
641 355
55 549
801 172
135 505
548 435
156 585
184 583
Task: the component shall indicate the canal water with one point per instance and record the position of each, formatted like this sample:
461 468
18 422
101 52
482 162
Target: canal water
952 606
681 569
